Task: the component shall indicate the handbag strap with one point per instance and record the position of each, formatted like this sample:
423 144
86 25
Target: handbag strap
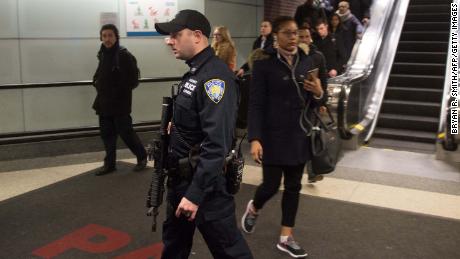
320 119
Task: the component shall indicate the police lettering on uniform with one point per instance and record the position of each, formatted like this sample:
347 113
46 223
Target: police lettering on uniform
204 115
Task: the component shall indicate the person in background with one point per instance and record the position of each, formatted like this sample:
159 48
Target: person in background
265 40
115 78
276 102
306 43
308 14
326 7
360 8
319 61
224 47
352 27
335 26
333 49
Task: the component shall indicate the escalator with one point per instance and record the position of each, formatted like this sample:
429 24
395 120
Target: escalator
409 115
395 91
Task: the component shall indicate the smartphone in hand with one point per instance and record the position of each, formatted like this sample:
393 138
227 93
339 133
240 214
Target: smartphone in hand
312 74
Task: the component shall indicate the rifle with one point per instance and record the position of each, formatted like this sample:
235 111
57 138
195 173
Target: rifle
159 153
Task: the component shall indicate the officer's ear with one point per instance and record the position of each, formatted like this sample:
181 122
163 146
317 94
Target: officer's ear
199 36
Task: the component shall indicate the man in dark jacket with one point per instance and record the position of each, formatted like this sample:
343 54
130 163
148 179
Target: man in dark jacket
264 41
332 48
115 78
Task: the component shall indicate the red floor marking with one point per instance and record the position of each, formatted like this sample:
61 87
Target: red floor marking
80 239
144 253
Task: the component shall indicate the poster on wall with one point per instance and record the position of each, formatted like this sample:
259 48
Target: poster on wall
109 18
141 15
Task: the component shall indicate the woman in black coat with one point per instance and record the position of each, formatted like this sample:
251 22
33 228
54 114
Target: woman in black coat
278 96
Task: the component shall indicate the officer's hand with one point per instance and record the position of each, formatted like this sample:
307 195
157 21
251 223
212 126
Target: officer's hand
256 151
187 208
240 72
313 86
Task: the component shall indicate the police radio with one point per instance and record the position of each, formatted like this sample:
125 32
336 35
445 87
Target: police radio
234 169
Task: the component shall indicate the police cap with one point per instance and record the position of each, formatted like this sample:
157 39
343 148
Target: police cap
185 19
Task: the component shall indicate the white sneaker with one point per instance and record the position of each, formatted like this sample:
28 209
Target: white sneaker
248 221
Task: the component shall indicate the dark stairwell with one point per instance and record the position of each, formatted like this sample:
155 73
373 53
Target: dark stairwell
409 116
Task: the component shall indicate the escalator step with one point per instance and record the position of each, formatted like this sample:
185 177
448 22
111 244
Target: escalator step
425 81
413 94
408 122
407 135
423 26
426 8
423 46
419 68
416 108
428 17
421 57
425 36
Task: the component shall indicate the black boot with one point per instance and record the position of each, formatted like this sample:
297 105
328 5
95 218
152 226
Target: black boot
141 164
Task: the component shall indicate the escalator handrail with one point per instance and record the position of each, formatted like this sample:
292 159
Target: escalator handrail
373 110
361 62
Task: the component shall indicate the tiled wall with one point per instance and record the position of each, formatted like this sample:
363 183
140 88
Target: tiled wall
53 40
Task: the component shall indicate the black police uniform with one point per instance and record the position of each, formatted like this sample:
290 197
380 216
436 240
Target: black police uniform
204 114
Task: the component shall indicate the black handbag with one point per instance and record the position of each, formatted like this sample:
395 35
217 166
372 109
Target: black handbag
325 143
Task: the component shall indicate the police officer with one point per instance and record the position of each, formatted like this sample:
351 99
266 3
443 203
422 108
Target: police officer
204 116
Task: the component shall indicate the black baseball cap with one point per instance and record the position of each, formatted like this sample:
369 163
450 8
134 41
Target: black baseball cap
185 19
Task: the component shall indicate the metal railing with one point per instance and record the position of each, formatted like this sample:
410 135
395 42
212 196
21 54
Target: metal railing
67 133
80 83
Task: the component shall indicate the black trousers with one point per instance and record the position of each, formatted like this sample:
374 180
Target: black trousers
110 128
270 185
215 220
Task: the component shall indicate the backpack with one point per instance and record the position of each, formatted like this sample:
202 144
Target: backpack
134 60
137 70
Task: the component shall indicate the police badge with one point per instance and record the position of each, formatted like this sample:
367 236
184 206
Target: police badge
215 89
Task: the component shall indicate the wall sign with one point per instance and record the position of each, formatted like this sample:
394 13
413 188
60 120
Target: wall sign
109 18
141 15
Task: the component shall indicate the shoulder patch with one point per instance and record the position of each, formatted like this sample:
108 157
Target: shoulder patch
215 89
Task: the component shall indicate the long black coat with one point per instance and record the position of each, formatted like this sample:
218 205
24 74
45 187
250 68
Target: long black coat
115 77
275 108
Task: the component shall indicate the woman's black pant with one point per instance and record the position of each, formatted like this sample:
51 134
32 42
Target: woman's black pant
272 175
111 127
